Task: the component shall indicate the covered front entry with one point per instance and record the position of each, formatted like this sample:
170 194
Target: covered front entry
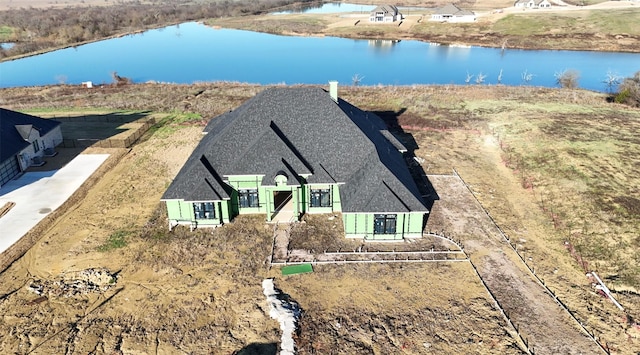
281 199
283 207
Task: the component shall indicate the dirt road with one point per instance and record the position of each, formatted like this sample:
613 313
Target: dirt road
547 328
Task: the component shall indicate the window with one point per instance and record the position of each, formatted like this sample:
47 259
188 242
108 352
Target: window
320 198
248 198
385 224
204 210
36 146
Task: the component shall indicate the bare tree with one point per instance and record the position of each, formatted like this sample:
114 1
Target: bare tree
467 80
611 81
356 79
567 78
526 77
480 78
120 80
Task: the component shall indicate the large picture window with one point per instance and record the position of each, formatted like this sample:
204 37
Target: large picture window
248 198
320 198
385 224
204 210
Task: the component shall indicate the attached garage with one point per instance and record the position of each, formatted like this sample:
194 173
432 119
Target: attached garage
8 170
24 138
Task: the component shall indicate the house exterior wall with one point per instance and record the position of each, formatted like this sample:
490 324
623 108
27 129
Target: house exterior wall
246 182
334 191
362 225
265 196
53 138
182 212
464 18
382 17
50 140
544 4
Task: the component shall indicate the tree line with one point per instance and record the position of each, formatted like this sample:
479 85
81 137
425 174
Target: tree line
34 29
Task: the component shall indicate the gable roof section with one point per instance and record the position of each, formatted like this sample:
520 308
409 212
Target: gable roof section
453 10
387 9
15 128
302 131
448 9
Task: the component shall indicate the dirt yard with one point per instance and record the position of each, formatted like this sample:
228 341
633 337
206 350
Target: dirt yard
200 292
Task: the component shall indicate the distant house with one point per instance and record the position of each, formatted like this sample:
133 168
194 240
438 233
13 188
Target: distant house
532 4
452 13
288 152
385 13
24 139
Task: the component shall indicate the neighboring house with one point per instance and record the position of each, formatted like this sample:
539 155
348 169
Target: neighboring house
533 4
24 139
292 151
385 13
452 13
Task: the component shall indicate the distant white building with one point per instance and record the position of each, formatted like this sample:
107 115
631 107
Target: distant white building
532 4
452 13
385 13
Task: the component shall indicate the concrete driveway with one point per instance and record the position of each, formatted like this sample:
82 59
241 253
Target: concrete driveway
36 194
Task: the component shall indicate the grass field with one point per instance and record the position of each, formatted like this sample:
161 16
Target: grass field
551 166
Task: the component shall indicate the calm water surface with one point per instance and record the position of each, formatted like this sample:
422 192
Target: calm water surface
329 8
192 52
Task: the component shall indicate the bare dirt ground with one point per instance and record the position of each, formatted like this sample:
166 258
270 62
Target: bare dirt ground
548 329
165 299
200 292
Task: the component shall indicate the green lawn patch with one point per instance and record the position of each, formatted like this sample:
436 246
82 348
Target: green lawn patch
116 240
297 269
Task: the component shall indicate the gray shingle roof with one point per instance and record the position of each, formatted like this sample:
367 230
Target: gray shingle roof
14 125
302 131
453 10
387 9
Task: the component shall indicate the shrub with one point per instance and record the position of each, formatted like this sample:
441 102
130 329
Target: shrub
629 91
568 79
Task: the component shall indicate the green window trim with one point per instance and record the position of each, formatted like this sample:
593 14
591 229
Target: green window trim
320 198
248 198
204 210
385 224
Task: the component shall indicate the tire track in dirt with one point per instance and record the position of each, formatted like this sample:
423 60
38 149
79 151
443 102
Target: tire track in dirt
547 328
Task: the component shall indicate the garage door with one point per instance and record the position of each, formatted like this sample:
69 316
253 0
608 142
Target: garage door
8 170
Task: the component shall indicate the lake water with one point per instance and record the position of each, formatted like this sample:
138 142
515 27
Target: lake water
192 52
329 8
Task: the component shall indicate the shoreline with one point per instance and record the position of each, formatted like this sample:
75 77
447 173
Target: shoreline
336 26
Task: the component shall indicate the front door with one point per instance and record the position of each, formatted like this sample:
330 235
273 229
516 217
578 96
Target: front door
281 201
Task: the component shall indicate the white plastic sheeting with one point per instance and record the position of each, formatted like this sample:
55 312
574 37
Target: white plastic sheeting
286 311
